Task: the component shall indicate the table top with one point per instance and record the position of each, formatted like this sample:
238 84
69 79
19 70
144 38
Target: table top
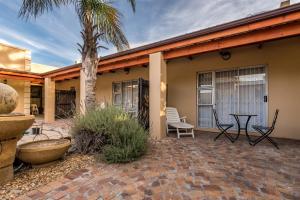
239 114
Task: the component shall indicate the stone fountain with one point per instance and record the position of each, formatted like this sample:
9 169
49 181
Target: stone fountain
12 128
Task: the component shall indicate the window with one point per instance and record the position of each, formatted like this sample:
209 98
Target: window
125 95
117 94
205 100
240 90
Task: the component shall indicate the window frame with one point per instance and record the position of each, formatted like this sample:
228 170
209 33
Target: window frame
122 84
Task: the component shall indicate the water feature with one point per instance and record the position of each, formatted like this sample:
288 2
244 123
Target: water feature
12 128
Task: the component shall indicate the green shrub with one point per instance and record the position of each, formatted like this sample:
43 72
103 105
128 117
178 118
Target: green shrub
112 132
127 143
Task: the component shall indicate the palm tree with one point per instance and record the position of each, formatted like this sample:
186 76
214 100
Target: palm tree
100 22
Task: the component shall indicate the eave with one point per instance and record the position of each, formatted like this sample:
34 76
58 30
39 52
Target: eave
21 75
272 25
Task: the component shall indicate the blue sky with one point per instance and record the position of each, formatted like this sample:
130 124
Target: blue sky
52 37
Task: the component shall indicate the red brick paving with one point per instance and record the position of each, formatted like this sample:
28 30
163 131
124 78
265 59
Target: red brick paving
189 169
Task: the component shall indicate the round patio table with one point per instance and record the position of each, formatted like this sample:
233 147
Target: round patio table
236 117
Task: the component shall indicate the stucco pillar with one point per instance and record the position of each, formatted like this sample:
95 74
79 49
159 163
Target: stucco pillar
27 64
157 95
82 92
26 98
49 100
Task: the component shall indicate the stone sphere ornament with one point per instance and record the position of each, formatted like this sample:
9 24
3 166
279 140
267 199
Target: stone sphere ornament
8 99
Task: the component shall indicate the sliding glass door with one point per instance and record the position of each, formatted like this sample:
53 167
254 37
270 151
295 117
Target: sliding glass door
241 90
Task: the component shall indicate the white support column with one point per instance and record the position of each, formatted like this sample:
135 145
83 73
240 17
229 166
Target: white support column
157 95
49 100
82 92
27 93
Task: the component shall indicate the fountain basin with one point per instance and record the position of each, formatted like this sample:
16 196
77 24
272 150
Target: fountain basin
12 128
43 151
14 125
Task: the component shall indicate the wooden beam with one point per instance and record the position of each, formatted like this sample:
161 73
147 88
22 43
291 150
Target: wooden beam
63 72
34 80
20 74
264 35
124 64
258 36
213 36
66 76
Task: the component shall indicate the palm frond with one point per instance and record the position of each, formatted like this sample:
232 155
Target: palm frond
37 7
133 4
107 20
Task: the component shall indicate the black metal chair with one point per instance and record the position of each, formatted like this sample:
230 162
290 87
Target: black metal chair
223 128
265 132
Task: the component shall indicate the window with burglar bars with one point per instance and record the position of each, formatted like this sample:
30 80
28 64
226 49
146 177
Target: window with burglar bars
125 95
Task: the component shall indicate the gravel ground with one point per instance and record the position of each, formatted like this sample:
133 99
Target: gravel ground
30 179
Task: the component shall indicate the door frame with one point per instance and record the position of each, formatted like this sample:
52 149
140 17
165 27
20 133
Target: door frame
266 66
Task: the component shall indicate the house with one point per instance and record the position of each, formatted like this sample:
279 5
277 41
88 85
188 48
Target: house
18 60
250 65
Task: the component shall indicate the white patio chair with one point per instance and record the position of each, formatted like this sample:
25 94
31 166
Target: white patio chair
174 122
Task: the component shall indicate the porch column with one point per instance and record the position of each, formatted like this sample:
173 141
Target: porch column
157 95
82 92
27 93
49 114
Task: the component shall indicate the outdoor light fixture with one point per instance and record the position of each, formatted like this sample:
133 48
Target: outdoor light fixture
127 70
226 55
5 81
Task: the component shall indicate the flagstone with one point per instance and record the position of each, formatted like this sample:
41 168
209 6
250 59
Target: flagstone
189 169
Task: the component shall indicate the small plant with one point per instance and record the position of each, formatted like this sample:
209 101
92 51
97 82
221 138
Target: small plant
111 132
127 143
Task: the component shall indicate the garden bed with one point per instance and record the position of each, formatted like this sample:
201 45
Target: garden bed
31 179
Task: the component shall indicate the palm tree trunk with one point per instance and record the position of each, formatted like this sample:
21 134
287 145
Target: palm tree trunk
89 66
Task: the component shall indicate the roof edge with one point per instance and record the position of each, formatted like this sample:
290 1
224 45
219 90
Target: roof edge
239 22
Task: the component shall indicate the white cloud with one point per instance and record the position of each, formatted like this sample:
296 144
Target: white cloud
36 45
58 31
188 16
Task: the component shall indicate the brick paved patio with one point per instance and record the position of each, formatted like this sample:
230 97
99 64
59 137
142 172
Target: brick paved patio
189 169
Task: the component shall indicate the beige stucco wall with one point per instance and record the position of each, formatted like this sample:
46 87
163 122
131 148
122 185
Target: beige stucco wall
17 59
104 84
283 70
14 58
283 65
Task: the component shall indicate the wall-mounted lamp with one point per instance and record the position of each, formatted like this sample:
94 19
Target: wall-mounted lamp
127 70
5 81
226 55
191 58
260 46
